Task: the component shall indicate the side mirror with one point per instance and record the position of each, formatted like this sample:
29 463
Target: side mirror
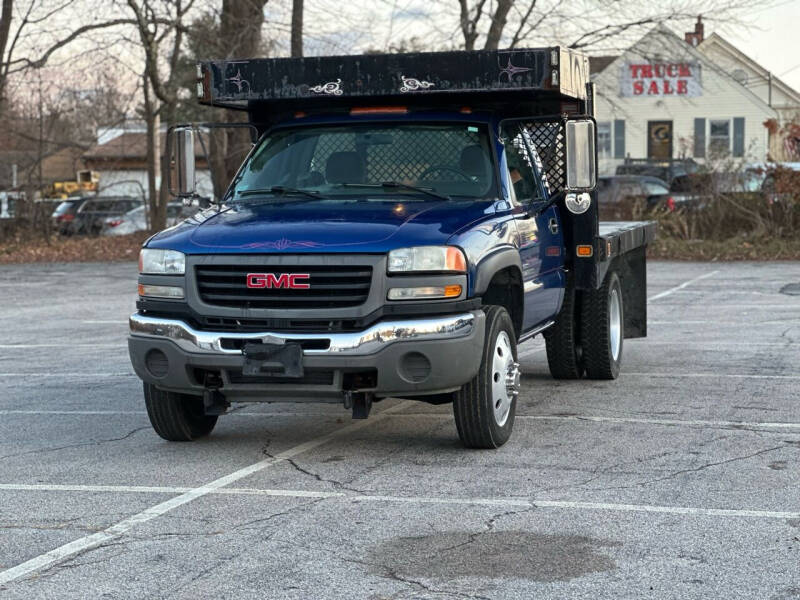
182 177
581 155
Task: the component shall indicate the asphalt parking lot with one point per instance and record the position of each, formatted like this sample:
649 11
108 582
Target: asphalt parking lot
679 480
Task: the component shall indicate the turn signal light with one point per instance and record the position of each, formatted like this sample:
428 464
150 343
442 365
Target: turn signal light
455 260
427 292
161 291
452 291
584 251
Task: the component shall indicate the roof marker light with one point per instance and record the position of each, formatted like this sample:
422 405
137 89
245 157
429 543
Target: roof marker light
375 110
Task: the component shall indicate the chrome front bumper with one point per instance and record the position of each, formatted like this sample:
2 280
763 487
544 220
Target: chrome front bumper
369 341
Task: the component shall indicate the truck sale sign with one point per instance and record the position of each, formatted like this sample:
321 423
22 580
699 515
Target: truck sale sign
660 79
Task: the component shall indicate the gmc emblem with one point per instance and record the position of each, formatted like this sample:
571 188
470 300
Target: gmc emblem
292 281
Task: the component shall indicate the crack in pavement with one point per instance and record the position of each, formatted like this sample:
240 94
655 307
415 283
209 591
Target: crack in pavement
247 525
675 474
92 443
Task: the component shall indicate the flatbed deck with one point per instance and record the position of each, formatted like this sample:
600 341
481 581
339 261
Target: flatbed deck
620 237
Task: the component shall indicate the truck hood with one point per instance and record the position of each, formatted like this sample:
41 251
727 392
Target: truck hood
373 226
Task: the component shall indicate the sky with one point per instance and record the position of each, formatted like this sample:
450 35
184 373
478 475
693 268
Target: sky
772 40
768 35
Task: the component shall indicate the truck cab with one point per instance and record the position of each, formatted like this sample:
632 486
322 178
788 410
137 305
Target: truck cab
394 236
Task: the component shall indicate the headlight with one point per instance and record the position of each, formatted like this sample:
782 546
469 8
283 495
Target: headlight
161 262
427 259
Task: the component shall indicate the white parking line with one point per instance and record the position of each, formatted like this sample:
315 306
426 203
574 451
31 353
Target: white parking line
668 422
68 375
105 322
88 542
715 324
648 342
380 498
681 286
530 351
73 412
65 345
718 375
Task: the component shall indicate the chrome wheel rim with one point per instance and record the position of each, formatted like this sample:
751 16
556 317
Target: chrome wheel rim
615 323
505 378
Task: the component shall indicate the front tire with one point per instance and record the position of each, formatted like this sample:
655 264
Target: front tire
485 407
177 417
602 329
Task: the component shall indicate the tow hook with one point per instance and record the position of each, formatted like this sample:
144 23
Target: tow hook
214 403
360 403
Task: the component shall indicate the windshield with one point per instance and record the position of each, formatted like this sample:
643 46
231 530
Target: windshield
63 208
347 161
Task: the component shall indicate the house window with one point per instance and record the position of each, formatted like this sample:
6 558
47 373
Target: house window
719 137
604 139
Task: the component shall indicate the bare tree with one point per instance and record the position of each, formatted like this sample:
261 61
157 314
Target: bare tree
592 24
239 36
297 28
160 25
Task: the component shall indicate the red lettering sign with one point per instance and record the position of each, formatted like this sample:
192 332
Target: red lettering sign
660 79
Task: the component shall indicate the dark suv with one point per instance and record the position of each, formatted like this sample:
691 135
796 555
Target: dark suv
86 215
666 170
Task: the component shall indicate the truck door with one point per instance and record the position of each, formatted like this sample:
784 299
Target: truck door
541 243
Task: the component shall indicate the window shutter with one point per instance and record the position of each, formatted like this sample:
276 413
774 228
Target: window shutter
699 138
738 136
619 138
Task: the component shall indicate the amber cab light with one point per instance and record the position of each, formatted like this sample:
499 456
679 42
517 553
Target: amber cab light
378 110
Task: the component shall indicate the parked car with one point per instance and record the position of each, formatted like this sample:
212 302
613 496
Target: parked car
665 170
618 194
86 215
776 181
64 215
136 219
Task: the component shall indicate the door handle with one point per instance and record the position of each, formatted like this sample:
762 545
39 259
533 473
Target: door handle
552 225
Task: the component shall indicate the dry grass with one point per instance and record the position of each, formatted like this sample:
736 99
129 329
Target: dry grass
27 247
734 249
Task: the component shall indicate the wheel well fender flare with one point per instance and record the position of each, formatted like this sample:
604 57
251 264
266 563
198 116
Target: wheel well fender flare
489 266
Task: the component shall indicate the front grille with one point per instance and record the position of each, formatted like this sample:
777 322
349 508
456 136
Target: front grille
331 286
243 325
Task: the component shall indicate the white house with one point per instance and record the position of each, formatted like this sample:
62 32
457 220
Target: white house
783 146
664 98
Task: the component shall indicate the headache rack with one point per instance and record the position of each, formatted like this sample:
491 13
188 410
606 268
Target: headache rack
474 78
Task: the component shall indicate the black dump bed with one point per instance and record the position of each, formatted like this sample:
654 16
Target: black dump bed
269 86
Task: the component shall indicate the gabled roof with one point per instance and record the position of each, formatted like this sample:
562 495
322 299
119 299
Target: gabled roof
130 146
717 40
598 63
669 37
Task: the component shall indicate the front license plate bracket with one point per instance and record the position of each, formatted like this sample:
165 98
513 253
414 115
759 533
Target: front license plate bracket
261 356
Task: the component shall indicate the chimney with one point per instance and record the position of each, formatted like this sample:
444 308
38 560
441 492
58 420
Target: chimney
693 38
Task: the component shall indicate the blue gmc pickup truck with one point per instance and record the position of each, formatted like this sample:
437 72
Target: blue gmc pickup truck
401 224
